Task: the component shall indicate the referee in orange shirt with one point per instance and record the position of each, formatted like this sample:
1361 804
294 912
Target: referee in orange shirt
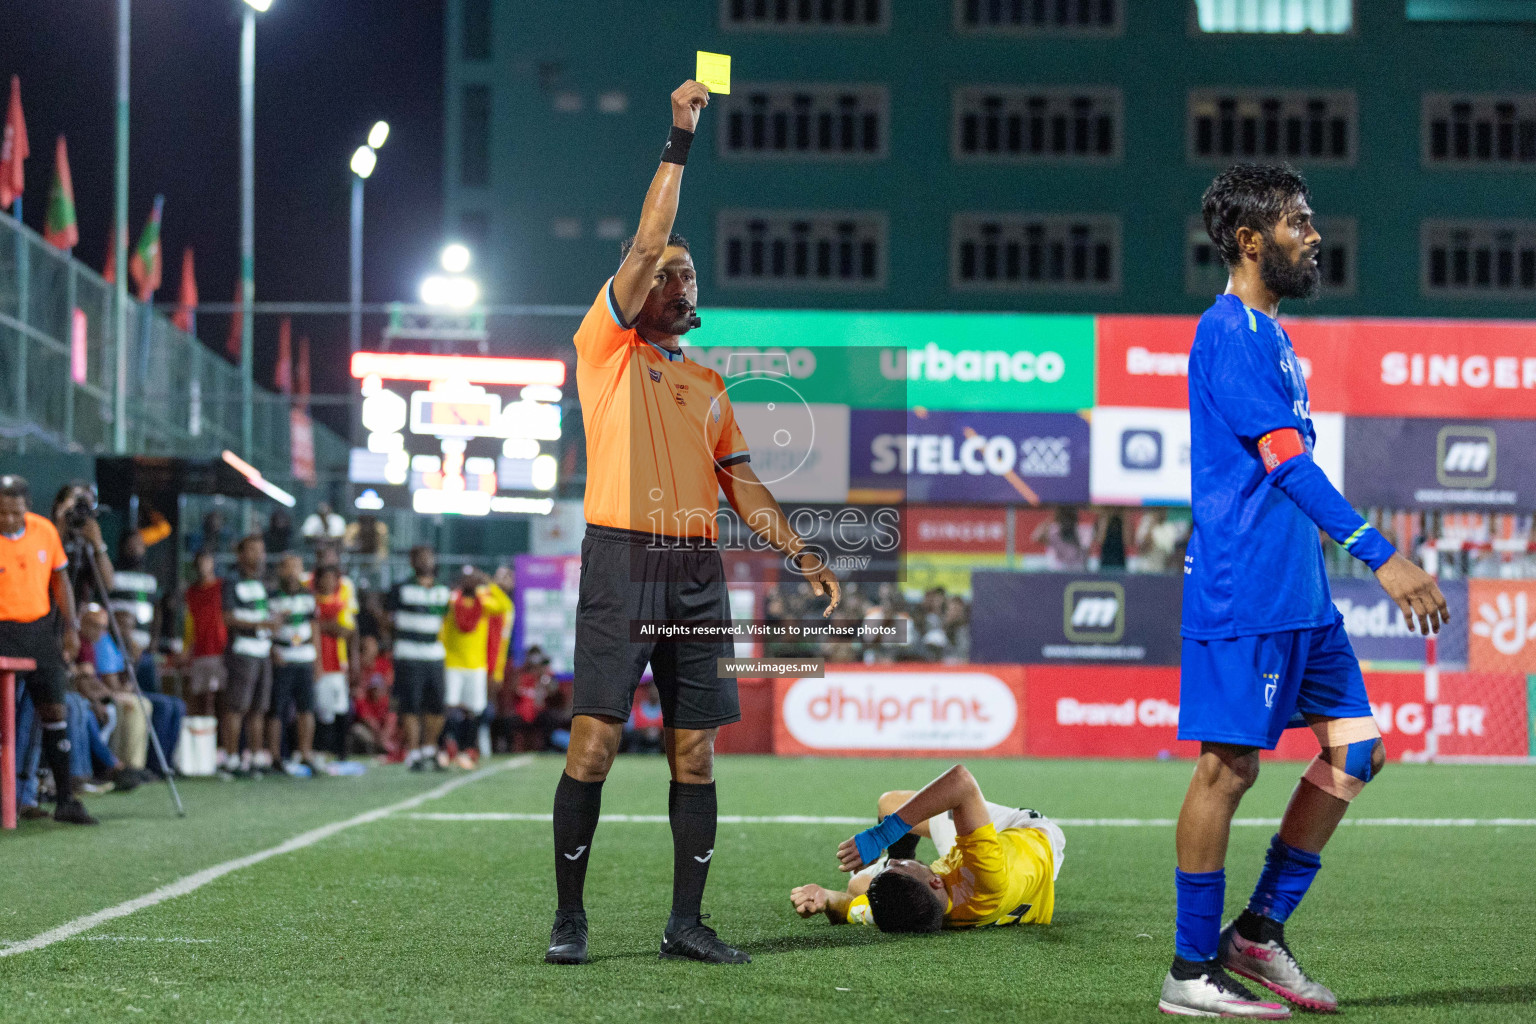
35 600
662 442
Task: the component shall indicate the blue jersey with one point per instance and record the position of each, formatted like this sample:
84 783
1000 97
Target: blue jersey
1255 561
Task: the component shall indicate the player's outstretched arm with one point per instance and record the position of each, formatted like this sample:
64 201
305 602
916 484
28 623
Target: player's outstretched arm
1291 469
761 512
810 900
956 792
637 273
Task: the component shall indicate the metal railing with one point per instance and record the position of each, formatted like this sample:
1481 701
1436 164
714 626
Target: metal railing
58 367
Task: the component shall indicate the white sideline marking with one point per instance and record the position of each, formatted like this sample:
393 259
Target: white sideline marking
802 819
197 880
139 938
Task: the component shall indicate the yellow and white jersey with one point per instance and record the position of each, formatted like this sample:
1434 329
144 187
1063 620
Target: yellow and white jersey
1003 873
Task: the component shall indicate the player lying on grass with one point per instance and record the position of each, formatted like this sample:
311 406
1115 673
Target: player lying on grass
997 865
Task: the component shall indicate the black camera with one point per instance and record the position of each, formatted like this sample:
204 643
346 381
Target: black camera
80 511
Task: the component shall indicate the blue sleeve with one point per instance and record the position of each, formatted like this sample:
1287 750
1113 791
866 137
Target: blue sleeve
1242 377
1305 483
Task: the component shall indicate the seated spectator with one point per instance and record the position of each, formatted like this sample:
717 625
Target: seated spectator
92 719
523 720
375 729
1066 546
642 733
166 712
1110 538
128 730
935 638
957 622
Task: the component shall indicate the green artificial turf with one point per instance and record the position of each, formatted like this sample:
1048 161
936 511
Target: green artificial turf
404 919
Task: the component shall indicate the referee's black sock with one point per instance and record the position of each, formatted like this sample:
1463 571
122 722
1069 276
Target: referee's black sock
693 810
576 809
56 750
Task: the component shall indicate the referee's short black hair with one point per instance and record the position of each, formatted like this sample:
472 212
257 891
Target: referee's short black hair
13 486
900 902
1251 196
674 239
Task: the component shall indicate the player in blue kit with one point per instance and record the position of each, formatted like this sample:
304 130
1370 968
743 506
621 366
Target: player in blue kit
1263 647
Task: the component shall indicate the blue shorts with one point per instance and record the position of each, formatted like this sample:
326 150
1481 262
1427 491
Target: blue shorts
1249 689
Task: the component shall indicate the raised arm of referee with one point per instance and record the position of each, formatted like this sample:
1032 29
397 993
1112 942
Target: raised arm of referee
37 621
662 442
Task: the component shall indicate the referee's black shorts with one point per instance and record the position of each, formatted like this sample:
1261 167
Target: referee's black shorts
38 640
626 576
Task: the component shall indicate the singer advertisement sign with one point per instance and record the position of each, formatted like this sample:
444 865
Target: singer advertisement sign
899 710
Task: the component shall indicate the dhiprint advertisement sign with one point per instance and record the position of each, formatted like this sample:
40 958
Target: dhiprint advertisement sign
1012 458
917 710
1424 463
1503 625
893 360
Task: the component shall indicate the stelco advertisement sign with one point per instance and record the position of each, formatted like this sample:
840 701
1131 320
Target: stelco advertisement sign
1015 458
1408 463
936 711
982 361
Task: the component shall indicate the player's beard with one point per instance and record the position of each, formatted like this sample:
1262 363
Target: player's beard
1299 280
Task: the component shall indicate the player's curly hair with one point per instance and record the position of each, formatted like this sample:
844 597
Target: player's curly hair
673 240
901 903
1251 196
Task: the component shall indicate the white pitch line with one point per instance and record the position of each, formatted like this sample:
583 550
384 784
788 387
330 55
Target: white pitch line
801 819
197 880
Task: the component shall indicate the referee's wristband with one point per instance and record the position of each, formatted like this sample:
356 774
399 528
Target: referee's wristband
678 143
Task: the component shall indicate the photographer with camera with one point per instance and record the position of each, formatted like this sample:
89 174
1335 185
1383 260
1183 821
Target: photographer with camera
37 621
74 516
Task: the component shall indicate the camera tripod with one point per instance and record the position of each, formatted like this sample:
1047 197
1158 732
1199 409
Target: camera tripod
81 553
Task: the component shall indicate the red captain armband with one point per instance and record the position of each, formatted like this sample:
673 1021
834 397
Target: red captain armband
1280 446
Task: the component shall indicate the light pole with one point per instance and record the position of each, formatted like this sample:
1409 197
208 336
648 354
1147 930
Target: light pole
248 224
363 162
120 242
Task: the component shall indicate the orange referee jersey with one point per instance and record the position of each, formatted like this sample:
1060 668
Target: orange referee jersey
27 565
658 425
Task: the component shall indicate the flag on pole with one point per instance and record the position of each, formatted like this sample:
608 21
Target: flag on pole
301 372
186 303
13 149
109 265
236 326
283 375
144 264
61 231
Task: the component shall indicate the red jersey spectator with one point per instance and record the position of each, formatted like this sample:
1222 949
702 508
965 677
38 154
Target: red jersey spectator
205 636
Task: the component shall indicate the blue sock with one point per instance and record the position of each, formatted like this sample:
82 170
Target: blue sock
1198 926
1287 874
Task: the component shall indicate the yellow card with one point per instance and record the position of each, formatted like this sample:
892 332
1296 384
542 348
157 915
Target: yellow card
714 71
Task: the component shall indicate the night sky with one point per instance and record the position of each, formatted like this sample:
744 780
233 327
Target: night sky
325 71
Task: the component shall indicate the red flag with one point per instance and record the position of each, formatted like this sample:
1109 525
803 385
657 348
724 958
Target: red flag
283 375
186 302
236 325
301 371
61 230
13 149
109 265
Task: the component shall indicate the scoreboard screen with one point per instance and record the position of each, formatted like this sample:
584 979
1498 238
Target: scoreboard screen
459 435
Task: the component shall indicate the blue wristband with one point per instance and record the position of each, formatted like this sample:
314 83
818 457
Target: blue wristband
873 841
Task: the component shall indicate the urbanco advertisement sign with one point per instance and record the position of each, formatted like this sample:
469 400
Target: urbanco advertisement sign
893 360
916 710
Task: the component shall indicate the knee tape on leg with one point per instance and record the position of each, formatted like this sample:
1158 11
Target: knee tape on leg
1359 738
